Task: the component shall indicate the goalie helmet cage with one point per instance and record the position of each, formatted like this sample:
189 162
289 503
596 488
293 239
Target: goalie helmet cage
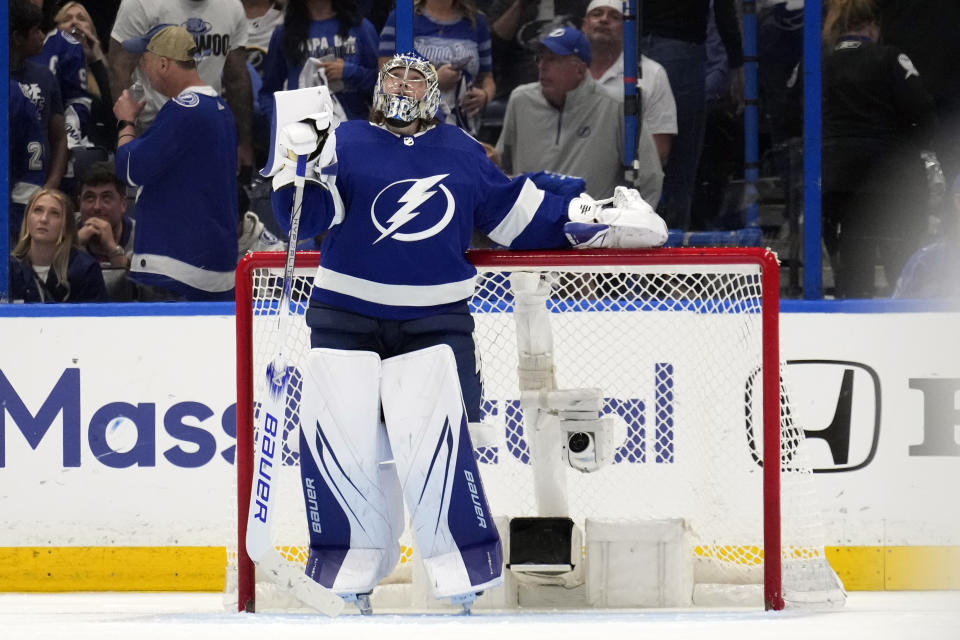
682 341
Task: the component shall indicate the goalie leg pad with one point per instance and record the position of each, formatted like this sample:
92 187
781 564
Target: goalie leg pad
352 523
454 329
441 484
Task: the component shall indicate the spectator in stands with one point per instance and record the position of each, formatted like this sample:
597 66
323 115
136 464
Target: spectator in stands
603 26
456 39
27 136
47 159
568 124
220 30
73 19
674 32
185 165
47 9
103 13
253 235
780 94
63 56
516 28
934 270
263 18
877 117
929 32
46 265
780 51
323 42
106 231
722 153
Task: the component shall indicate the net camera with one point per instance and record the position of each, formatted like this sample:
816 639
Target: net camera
587 445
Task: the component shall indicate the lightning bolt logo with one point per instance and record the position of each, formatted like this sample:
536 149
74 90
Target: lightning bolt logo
416 195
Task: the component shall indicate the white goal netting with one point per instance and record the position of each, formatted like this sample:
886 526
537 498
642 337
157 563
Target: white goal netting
676 340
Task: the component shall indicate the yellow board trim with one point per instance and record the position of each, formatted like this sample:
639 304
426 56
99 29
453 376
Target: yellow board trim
49 569
112 568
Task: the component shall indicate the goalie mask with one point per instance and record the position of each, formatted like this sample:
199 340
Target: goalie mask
402 96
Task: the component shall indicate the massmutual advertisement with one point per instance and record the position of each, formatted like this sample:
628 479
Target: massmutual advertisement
120 432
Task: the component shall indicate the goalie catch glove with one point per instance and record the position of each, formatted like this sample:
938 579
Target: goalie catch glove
302 127
312 138
629 223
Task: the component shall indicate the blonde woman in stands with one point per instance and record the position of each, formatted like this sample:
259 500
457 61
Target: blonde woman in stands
46 264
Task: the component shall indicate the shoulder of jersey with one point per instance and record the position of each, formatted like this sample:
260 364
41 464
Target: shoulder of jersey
355 129
453 134
346 125
69 38
187 99
461 135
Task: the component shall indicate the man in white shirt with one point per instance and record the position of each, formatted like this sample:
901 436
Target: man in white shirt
220 30
603 26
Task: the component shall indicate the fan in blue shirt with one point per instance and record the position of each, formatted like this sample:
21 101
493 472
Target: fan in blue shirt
186 167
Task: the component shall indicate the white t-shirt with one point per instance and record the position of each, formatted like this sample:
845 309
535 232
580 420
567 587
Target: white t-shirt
218 26
259 32
41 272
659 107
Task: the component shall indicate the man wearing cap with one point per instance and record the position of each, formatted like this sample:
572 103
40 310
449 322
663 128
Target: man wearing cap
516 27
219 28
603 26
185 166
567 123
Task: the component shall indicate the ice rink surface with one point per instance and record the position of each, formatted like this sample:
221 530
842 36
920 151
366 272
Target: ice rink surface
201 616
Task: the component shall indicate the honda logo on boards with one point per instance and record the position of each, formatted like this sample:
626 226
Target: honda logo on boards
837 405
940 416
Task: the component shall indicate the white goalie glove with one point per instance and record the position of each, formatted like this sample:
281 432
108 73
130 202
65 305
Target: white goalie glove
302 132
628 223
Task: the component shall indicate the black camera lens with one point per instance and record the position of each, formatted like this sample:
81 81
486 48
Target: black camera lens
578 442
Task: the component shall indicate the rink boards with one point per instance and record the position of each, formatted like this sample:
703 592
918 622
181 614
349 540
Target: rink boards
94 503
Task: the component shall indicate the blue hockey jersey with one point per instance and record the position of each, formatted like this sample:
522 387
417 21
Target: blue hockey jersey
34 82
29 151
63 55
400 211
186 164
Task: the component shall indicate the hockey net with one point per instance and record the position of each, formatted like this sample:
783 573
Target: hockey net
683 343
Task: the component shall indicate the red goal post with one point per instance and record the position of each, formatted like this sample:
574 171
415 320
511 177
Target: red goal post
595 292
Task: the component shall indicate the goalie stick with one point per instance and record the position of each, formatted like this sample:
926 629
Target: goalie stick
259 542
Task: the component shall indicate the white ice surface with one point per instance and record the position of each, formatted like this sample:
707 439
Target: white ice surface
188 616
